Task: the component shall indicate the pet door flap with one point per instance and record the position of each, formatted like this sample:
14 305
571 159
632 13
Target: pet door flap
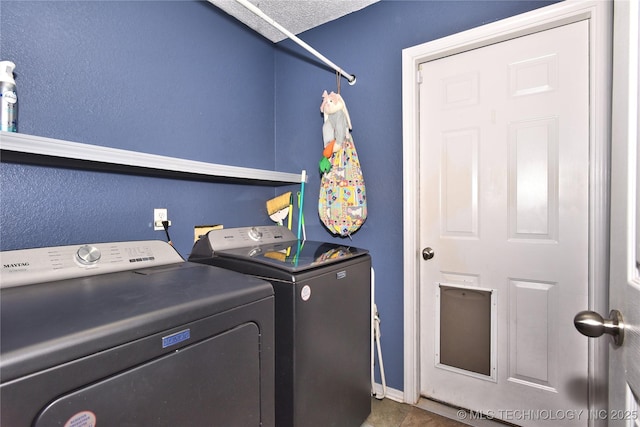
465 328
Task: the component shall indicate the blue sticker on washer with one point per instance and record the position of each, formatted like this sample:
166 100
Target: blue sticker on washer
176 338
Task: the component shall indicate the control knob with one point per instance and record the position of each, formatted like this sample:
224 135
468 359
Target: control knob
255 234
88 255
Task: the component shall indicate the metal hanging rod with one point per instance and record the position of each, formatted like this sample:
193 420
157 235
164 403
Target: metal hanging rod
350 77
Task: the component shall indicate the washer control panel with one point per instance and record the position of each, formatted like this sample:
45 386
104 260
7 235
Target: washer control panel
242 237
38 265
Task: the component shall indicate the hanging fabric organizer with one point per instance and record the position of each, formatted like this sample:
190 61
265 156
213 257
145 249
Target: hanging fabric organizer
342 202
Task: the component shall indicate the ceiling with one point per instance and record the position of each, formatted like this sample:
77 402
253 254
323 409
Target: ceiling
294 15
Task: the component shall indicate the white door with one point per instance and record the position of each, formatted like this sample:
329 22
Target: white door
504 202
624 285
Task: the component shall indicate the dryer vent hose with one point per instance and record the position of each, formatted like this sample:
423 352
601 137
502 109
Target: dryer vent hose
376 337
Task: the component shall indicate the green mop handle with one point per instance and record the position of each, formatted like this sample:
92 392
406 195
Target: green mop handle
303 179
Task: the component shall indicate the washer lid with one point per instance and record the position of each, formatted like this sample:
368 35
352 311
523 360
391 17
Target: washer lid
294 256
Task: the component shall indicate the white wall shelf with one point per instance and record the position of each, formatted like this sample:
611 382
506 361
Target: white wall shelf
23 148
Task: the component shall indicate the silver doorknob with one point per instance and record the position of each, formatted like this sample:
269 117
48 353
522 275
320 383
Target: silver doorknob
591 324
427 254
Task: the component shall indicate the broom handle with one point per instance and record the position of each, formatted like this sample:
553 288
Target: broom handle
302 181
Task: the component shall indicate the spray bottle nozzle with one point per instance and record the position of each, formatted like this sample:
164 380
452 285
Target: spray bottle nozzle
6 71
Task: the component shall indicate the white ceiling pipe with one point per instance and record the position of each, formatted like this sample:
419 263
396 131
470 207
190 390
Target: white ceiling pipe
254 9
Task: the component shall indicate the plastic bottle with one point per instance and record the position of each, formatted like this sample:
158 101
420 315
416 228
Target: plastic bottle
8 98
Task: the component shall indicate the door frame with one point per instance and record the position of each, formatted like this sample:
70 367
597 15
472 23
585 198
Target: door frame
600 15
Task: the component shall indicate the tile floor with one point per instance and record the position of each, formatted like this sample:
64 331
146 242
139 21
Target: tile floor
388 413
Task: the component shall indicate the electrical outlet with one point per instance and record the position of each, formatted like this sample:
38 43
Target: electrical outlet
159 215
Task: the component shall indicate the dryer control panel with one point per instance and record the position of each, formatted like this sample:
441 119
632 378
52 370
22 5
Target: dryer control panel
38 265
246 237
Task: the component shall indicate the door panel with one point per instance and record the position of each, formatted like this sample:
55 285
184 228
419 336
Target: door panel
504 202
533 179
460 184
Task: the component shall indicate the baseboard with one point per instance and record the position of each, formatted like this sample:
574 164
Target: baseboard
391 393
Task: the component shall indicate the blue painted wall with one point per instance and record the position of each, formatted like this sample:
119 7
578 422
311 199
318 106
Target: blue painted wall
181 78
176 78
